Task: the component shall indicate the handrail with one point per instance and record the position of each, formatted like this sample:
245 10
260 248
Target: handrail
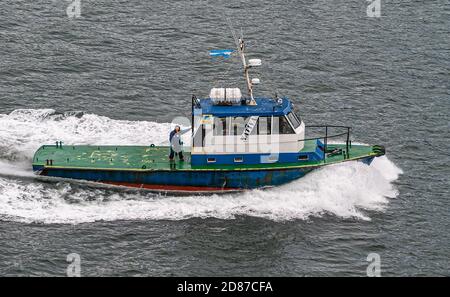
315 138
330 126
326 137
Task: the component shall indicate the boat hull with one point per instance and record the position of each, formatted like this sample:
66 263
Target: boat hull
183 181
149 168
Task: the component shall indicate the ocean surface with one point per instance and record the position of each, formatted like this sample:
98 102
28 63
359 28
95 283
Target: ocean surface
122 71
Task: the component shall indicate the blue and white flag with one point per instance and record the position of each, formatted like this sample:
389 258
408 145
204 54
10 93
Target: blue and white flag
225 53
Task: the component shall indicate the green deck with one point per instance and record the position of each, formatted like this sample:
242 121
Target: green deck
156 158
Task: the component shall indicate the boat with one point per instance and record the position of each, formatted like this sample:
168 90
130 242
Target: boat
238 142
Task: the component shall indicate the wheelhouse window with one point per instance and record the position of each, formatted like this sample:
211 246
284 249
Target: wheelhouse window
264 125
238 125
224 126
220 127
297 115
294 120
282 126
199 137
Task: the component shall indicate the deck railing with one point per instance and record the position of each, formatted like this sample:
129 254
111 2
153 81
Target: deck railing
326 136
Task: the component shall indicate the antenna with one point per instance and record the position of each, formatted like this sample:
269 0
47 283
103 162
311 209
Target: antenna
240 44
235 39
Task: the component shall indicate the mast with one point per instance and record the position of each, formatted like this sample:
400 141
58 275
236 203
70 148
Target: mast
241 49
247 66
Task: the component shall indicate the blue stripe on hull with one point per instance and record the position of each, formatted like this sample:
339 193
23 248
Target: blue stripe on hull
221 179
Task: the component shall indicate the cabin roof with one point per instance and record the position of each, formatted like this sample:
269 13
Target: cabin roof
264 107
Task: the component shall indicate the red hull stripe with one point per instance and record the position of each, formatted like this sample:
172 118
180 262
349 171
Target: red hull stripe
171 187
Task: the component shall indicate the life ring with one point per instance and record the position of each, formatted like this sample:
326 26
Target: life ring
152 145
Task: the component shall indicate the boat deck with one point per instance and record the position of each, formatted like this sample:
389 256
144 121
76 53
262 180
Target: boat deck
156 158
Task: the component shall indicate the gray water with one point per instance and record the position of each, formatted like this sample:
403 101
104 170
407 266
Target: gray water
123 70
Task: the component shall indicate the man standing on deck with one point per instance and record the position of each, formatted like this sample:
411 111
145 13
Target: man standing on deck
176 145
